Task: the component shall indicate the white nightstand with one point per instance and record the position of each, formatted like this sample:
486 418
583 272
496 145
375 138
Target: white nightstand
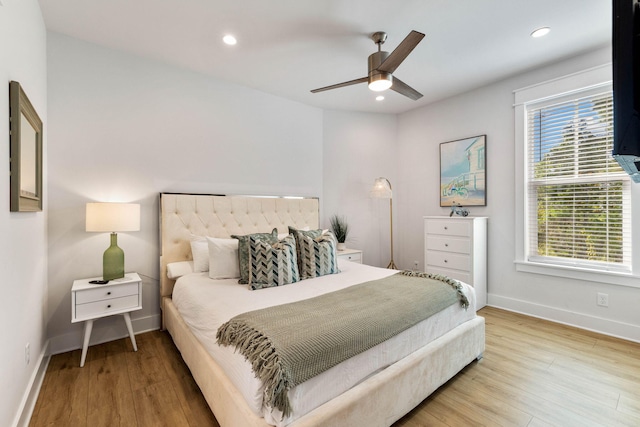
92 301
353 255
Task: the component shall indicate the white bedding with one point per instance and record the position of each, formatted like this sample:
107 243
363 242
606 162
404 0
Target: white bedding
205 304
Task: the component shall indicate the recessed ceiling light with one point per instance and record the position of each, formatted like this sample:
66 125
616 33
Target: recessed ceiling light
540 32
379 98
229 39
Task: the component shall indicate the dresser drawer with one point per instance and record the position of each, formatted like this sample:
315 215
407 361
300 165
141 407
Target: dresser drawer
449 228
106 292
449 260
105 307
454 274
448 244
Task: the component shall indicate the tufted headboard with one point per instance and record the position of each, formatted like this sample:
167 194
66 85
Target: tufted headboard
182 215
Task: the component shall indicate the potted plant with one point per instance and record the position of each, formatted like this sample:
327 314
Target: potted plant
340 228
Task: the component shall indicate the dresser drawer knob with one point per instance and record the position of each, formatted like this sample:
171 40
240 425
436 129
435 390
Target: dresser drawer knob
446 245
108 293
109 306
446 261
446 228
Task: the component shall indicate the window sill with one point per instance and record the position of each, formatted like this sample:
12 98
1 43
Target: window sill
585 274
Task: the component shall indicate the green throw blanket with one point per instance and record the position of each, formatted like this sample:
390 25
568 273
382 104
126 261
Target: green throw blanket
288 344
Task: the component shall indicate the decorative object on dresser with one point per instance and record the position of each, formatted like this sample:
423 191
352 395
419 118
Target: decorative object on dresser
25 135
457 209
457 247
113 217
91 300
353 255
340 228
463 172
382 190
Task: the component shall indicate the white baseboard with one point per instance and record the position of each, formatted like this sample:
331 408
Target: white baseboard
103 332
30 397
584 321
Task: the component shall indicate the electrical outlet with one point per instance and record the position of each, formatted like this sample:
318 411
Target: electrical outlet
415 265
27 353
603 300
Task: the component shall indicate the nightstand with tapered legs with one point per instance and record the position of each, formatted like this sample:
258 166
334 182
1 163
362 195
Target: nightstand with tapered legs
90 301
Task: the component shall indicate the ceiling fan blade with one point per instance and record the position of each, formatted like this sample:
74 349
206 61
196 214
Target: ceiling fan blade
401 52
404 89
343 84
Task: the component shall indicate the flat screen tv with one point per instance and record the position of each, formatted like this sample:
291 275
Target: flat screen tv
626 85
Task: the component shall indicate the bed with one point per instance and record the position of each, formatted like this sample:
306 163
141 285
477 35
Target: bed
408 377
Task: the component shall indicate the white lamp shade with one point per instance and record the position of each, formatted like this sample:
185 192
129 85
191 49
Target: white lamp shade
113 217
381 189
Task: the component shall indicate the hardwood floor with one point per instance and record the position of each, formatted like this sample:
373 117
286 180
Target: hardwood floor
534 373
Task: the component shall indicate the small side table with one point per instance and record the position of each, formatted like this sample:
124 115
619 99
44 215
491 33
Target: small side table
353 255
92 301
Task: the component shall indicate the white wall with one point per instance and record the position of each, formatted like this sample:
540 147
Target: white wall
23 245
358 148
489 110
123 128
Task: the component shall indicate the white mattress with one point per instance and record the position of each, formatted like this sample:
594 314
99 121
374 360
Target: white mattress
205 304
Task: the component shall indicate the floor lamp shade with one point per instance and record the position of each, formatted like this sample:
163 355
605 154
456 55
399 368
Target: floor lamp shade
382 190
112 217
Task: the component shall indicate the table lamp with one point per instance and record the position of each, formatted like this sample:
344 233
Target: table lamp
113 217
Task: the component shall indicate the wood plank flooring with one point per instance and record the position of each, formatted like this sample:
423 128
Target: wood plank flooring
534 373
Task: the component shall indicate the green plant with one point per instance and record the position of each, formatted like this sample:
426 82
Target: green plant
340 228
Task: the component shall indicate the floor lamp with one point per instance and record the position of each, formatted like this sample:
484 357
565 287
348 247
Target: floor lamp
382 190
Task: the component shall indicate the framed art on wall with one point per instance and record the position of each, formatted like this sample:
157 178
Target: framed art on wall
463 172
25 130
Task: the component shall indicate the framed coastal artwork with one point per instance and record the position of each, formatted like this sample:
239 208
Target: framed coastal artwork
463 176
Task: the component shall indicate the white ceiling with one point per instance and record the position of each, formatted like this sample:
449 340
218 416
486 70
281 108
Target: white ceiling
288 47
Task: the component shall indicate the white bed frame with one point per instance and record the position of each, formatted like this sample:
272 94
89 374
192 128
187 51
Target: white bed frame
380 400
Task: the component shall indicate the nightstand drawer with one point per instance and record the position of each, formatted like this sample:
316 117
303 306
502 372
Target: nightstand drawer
356 257
106 292
106 307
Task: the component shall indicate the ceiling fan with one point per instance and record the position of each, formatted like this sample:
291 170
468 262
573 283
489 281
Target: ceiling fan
383 64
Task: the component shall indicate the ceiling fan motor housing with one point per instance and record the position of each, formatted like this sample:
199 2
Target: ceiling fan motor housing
375 59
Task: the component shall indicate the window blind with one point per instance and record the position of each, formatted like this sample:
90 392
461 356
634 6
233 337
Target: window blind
578 197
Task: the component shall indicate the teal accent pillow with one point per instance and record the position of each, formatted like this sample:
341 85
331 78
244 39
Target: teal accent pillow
272 264
243 251
317 252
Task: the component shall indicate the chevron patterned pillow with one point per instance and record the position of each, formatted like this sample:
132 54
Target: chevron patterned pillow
316 252
272 264
243 251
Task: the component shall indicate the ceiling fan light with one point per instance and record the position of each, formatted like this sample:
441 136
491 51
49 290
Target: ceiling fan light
380 82
540 32
230 40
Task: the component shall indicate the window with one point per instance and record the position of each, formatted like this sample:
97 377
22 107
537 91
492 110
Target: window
587 189
578 198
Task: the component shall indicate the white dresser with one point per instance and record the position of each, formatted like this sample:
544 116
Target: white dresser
457 247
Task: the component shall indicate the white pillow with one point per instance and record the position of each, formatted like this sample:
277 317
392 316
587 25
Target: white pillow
200 253
223 258
178 269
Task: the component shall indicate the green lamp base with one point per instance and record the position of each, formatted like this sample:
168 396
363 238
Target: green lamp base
113 261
